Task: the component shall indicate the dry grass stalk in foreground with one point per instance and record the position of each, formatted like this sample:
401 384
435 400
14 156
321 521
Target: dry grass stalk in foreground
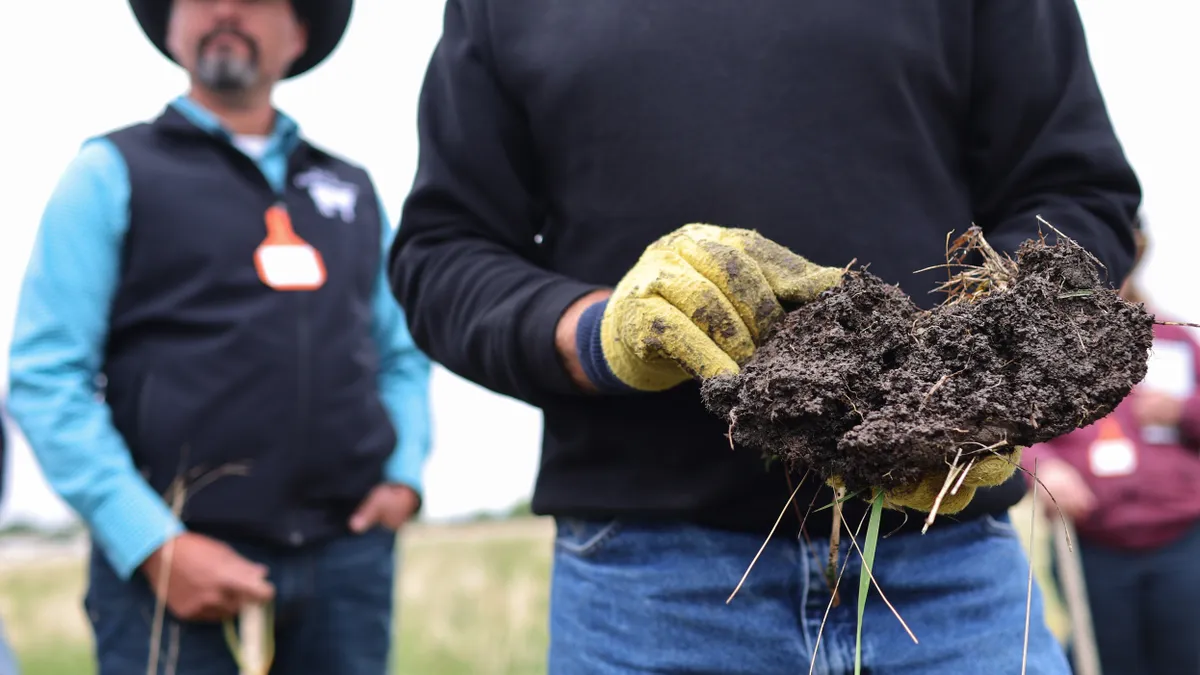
181 489
253 646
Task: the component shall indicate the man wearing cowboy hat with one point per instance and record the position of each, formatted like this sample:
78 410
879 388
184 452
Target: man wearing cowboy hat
262 424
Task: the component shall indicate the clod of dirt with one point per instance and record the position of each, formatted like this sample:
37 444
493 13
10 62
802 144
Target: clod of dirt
863 385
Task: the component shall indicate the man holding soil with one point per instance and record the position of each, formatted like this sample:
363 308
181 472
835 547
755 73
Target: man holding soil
264 420
545 253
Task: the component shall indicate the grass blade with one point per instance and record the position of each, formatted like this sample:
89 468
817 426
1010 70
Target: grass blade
878 588
843 500
864 580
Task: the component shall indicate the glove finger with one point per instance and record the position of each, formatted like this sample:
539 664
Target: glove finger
739 279
700 301
659 336
653 374
792 277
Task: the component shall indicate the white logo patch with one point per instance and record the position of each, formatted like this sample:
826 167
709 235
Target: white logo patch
333 196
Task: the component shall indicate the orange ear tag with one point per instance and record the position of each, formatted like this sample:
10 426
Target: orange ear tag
284 261
1112 454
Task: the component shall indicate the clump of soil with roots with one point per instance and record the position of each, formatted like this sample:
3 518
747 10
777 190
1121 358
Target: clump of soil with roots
863 386
873 394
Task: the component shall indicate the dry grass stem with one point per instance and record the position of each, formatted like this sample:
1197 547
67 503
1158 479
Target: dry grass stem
185 485
995 273
1029 591
765 542
173 648
934 388
1074 591
811 548
835 541
179 494
812 666
253 639
962 476
871 574
951 475
1039 483
1093 258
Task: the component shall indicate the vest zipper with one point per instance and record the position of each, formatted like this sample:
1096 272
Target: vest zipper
293 523
303 401
304 348
303 391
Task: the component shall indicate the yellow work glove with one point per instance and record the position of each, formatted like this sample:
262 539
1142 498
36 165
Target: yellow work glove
921 496
698 302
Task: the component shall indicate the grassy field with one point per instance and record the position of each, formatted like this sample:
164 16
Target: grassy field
473 600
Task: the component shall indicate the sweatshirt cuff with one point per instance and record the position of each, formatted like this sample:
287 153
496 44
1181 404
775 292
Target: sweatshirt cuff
591 351
539 331
131 525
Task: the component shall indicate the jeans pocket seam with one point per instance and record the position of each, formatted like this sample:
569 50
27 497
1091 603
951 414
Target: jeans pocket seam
593 543
999 528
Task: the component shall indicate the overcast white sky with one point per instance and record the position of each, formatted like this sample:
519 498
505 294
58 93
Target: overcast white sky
74 68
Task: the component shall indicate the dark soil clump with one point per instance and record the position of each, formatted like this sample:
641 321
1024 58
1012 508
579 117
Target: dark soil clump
864 385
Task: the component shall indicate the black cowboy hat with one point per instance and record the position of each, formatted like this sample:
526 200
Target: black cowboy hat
326 21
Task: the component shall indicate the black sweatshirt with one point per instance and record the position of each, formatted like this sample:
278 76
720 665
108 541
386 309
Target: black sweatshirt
558 139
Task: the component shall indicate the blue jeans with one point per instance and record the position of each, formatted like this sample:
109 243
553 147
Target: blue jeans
8 662
1145 607
640 598
332 612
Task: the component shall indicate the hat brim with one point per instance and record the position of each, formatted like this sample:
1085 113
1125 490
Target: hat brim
326 21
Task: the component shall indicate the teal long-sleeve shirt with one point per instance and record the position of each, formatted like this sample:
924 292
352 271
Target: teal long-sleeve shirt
60 332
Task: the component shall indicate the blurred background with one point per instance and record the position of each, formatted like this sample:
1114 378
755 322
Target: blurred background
474 588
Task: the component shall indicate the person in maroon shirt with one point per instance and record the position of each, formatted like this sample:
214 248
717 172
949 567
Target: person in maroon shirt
1131 485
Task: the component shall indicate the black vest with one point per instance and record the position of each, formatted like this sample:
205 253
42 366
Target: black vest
271 394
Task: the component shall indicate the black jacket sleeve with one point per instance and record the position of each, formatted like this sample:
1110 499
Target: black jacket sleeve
465 263
1041 142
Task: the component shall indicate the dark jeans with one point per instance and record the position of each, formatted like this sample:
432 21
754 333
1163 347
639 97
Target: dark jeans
332 612
1146 607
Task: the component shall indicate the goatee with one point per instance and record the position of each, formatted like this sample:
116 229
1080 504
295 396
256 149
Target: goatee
222 70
